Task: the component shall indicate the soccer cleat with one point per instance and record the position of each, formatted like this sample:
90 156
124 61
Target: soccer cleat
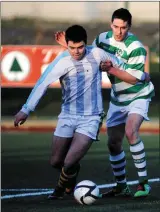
118 191
143 190
58 193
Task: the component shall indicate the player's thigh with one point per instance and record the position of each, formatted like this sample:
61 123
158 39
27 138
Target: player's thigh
79 147
59 147
138 111
62 137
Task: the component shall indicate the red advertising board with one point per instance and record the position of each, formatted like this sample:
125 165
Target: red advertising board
21 66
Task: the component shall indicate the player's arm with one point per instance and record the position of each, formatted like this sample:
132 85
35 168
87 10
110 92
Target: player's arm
123 76
53 72
136 63
60 38
129 75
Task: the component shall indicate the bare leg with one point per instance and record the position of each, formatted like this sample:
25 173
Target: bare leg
117 155
59 149
133 124
78 148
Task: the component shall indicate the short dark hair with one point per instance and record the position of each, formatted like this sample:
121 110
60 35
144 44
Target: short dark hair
76 33
123 14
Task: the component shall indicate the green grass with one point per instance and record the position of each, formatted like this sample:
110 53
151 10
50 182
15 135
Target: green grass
25 164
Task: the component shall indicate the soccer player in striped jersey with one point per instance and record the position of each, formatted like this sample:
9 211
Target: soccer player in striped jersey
78 69
129 101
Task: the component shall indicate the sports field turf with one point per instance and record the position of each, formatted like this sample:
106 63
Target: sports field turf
25 165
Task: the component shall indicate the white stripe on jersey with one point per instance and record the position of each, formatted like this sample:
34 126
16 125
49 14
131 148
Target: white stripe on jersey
137 59
131 96
121 86
88 97
133 45
135 73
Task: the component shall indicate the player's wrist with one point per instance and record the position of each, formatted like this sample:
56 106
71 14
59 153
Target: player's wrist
143 77
25 110
111 70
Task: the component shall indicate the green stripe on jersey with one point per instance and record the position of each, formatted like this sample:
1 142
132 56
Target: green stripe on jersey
112 50
130 39
133 89
138 52
109 35
97 41
128 102
139 66
133 53
108 48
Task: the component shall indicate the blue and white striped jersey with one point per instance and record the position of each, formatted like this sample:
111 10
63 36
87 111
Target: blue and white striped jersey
80 81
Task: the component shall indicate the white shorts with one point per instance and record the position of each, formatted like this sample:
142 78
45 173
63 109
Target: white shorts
69 124
118 114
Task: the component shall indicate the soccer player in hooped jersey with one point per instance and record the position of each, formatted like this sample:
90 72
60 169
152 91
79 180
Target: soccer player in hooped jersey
129 102
78 69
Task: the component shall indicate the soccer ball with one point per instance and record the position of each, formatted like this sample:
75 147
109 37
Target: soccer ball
86 192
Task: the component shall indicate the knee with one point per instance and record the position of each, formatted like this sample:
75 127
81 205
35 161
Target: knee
131 134
114 145
67 166
55 163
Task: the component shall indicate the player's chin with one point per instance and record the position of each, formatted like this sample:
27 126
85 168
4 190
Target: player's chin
77 57
121 38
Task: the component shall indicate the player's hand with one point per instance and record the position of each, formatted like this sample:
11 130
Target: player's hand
106 65
60 38
147 77
20 118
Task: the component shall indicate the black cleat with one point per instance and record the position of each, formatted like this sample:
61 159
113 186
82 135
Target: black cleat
117 191
58 193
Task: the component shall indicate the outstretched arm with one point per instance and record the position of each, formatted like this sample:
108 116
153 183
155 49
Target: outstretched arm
53 72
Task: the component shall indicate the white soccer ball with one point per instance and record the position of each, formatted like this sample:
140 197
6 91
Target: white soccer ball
86 192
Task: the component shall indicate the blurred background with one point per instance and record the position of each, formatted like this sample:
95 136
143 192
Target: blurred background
33 24
28 45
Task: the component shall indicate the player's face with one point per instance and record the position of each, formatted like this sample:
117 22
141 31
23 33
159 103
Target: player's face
120 29
76 50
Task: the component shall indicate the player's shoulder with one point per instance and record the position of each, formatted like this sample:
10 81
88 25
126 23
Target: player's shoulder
64 56
105 36
62 59
132 40
94 49
97 52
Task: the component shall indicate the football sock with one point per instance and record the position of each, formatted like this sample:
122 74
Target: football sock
66 177
118 163
139 158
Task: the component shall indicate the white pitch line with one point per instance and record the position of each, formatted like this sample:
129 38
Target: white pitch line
27 189
49 190
26 194
135 182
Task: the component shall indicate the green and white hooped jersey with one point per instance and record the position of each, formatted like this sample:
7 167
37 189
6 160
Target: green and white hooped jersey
133 53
